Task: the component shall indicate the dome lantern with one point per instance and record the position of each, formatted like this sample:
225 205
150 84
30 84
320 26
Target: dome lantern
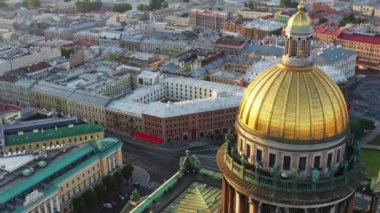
298 34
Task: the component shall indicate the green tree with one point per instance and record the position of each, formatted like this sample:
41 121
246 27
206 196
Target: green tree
3 3
127 172
31 4
87 6
322 20
350 18
156 4
164 4
90 197
367 124
143 7
358 127
110 183
101 191
79 204
121 8
112 57
118 177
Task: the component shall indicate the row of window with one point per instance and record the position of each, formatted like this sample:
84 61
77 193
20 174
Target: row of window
302 166
51 143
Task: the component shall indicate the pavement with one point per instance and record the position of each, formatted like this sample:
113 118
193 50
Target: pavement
140 176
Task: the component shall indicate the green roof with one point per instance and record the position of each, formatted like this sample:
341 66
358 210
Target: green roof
51 134
44 173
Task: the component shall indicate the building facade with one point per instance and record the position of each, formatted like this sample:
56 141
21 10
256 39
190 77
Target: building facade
31 139
292 150
52 188
208 19
367 45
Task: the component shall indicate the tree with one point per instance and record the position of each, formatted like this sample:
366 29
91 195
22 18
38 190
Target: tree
127 172
143 7
101 191
3 3
110 183
322 20
79 204
118 177
90 197
87 6
31 4
367 124
164 4
351 19
121 8
112 57
156 4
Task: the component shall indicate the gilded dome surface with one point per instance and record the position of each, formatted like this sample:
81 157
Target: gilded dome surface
293 103
300 19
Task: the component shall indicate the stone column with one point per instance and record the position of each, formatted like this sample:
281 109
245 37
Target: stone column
39 209
341 207
333 209
259 208
277 209
45 208
238 207
224 195
373 205
57 203
109 164
252 206
231 201
51 205
350 204
113 161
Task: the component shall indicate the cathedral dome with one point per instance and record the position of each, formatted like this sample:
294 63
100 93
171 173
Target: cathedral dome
293 103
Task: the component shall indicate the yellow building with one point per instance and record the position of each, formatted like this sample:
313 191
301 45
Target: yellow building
51 188
46 139
50 96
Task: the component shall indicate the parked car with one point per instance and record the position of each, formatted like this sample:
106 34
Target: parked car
116 198
107 205
113 202
120 196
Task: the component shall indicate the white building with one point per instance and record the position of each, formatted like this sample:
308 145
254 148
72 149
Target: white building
340 58
177 96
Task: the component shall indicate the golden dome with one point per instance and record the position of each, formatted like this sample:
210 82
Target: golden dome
300 19
293 103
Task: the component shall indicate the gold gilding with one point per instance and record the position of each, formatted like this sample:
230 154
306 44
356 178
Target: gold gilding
293 103
300 19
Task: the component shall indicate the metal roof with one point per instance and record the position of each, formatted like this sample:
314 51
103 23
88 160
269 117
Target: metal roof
95 149
51 134
333 54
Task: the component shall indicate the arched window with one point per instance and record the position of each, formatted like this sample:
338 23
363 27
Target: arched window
293 48
302 49
286 46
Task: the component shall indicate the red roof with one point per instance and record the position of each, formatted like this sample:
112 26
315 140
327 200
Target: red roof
36 67
6 107
8 78
320 10
230 42
360 38
149 138
327 28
